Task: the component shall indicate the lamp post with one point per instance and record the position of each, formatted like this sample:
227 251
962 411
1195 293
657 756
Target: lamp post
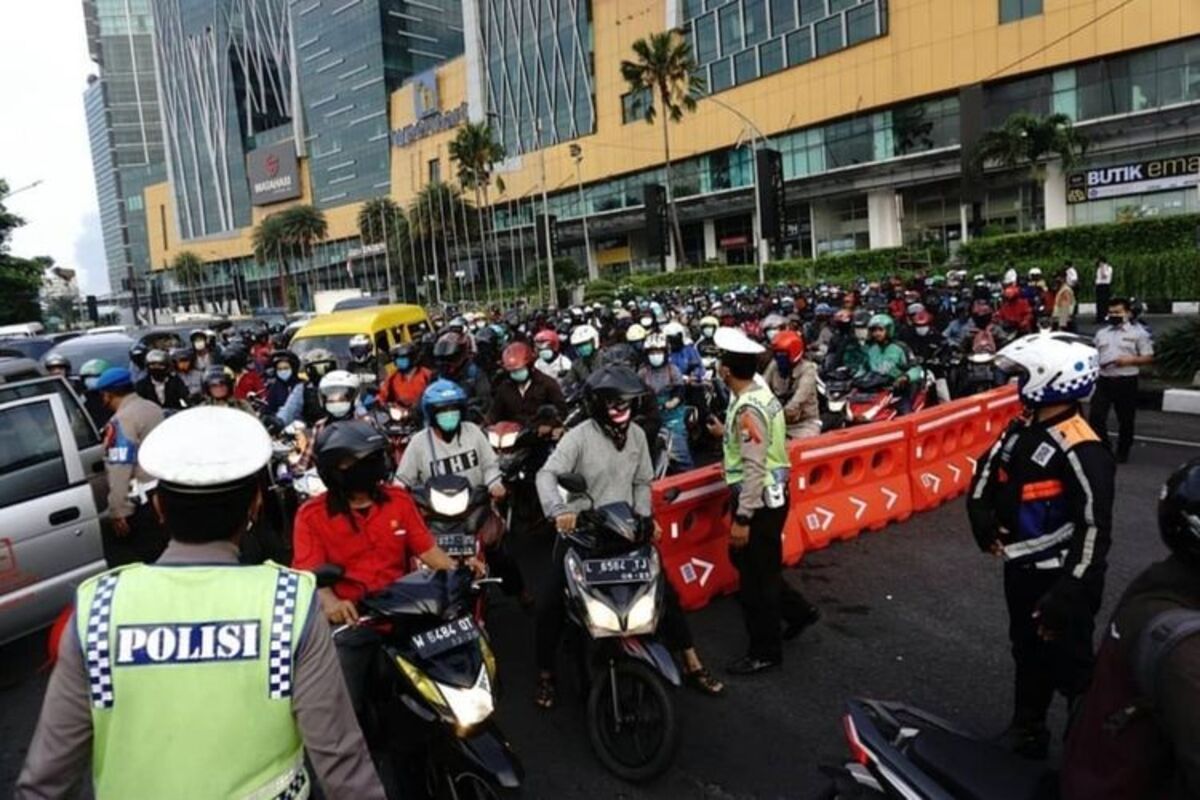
546 219
577 156
18 190
758 140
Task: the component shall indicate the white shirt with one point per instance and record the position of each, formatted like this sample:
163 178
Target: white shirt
1072 277
1104 274
1130 339
557 368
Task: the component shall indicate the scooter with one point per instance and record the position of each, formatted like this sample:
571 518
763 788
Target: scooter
875 399
833 390
614 598
437 670
903 752
455 512
398 423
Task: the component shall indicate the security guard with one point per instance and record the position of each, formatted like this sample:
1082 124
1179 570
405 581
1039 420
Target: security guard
196 676
1042 500
756 469
1124 346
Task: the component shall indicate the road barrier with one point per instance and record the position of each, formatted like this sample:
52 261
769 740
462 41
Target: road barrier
843 483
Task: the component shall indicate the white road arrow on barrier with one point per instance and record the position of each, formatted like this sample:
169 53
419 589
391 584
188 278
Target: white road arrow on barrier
705 567
860 506
819 519
957 472
931 481
890 495
972 462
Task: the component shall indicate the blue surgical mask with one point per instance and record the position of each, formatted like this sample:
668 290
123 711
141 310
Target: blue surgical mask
448 420
519 375
657 359
284 375
585 350
403 364
546 355
90 383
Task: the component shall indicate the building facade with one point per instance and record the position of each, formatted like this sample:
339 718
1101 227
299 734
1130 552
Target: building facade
874 106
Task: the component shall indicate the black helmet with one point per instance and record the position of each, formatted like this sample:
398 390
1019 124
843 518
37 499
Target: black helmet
351 455
236 357
1179 512
451 352
610 392
57 361
217 374
157 357
137 354
318 362
285 355
404 350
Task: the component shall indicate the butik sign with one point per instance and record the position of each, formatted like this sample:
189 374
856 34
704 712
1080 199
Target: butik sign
1146 177
274 174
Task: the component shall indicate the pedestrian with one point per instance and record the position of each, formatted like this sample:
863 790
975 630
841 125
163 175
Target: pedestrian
135 533
757 469
1041 499
1064 304
1104 278
1124 348
198 675
1072 278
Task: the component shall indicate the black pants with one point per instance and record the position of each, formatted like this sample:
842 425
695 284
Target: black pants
502 565
552 615
144 543
767 599
357 649
1103 295
1043 668
1121 394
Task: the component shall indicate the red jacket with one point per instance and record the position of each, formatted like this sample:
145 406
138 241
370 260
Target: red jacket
248 383
405 389
1016 314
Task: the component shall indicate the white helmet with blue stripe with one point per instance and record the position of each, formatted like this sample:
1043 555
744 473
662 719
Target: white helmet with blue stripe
1052 367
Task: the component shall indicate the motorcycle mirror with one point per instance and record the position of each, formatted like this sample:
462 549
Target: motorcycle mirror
672 494
328 574
573 482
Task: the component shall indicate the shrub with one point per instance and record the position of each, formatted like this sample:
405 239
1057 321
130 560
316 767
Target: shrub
1177 352
1085 243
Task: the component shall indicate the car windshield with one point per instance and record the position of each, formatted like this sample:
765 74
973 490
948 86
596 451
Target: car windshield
338 344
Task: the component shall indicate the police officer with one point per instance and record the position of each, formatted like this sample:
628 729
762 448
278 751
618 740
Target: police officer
756 469
1042 500
1135 732
1124 346
197 676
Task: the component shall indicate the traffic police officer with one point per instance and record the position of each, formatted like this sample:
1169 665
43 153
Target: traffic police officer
756 469
1124 346
1042 500
196 676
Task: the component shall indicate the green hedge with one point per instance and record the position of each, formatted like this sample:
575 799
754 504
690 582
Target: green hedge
1085 243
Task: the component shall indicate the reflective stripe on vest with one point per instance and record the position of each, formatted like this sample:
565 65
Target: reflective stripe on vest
764 401
191 671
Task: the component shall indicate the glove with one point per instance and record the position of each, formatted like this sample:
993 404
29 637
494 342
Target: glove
1063 604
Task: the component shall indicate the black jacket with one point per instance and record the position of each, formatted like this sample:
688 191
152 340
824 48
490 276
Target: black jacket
509 404
175 395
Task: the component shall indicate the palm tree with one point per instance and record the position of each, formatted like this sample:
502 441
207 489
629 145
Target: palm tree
476 152
189 271
1030 139
303 227
268 240
381 218
664 67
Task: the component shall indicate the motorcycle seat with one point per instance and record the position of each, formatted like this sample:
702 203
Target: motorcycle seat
973 770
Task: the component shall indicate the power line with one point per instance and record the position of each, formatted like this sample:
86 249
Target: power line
1060 39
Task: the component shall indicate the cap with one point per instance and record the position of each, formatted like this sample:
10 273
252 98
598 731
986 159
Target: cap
114 378
205 449
733 340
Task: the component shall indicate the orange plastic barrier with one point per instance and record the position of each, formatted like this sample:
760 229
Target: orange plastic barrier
844 483
695 534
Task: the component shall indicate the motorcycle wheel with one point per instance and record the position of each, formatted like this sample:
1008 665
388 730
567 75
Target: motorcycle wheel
636 741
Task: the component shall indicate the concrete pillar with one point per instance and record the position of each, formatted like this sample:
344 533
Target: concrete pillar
710 240
883 223
823 224
1055 196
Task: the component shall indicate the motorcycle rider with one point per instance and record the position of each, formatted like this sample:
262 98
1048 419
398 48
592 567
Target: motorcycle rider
585 340
683 354
218 389
452 355
363 365
845 348
58 365
1042 500
611 454
285 390
159 386
203 343
523 391
1134 732
886 357
550 362
247 383
183 360
793 380
920 338
407 384
667 384
708 328
318 363
1015 313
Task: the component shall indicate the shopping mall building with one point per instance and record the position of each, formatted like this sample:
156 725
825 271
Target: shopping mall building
873 105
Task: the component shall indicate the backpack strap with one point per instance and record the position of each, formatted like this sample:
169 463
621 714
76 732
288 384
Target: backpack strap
1158 638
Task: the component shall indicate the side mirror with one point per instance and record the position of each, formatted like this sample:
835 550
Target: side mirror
573 482
328 574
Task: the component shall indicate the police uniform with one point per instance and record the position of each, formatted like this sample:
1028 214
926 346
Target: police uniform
197 677
757 469
1117 387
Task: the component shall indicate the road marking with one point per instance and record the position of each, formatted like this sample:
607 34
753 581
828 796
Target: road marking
1160 440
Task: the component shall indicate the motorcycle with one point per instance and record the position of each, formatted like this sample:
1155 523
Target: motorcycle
398 423
833 390
455 512
904 752
874 398
436 669
614 598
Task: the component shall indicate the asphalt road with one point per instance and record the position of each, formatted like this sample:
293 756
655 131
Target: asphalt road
913 612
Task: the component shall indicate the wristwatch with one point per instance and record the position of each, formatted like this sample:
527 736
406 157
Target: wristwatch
741 519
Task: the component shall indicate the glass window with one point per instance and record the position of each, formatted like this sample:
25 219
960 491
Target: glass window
860 24
829 36
770 56
799 47
745 66
841 5
755 18
720 75
849 142
812 10
1012 10
783 16
692 8
634 105
731 29
706 39
31 458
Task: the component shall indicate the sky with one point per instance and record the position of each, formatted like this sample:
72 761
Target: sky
44 66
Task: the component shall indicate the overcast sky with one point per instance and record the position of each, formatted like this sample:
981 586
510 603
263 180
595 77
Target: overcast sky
44 66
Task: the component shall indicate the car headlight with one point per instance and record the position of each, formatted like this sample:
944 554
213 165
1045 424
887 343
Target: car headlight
641 616
470 706
602 617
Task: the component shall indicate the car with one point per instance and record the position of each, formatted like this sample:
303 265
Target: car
17 368
385 326
112 347
27 346
53 502
351 303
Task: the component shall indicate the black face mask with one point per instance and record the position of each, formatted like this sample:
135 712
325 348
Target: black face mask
365 474
1116 320
159 375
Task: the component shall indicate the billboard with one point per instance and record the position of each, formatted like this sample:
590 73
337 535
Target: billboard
425 95
274 174
1145 177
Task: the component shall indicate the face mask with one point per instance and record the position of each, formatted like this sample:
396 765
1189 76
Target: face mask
364 474
620 415
90 383
708 332
284 375
449 420
783 363
159 375
647 322
338 408
403 364
585 350
657 359
1116 320
519 375
200 345
546 355
861 334
922 330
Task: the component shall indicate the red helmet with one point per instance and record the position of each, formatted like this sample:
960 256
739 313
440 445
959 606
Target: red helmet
922 318
791 343
516 356
547 339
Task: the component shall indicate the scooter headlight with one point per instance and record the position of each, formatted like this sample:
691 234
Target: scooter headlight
426 686
470 706
641 616
601 617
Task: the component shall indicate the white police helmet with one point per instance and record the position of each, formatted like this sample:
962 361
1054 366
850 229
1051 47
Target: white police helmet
205 449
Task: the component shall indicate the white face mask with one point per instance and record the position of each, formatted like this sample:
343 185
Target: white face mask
200 345
922 330
338 408
657 359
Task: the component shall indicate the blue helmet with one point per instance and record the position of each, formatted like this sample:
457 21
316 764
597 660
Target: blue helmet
114 378
442 393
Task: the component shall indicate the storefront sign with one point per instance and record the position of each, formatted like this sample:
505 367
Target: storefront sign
435 123
274 174
1146 177
730 242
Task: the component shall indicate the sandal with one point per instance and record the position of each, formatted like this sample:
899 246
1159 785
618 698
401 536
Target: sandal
703 682
544 694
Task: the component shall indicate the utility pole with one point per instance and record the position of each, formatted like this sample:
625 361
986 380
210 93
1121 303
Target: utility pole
546 220
757 140
577 155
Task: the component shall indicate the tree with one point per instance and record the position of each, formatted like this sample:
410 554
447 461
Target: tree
381 217
269 239
303 227
189 271
1029 139
664 67
20 278
476 152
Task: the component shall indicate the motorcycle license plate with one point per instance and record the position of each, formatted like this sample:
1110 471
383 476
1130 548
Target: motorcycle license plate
445 637
457 545
630 569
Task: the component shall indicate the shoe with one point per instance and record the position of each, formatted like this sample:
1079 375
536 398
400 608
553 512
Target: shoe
703 682
793 629
544 694
750 665
1031 742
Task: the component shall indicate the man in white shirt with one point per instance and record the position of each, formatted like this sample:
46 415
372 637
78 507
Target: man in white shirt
1124 348
1104 276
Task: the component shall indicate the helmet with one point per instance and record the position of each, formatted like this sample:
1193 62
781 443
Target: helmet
862 318
451 352
609 393
922 318
318 362
913 309
547 340
201 339
709 321
181 354
137 355
278 356
516 356
360 348
442 394
157 357
343 445
218 375
91 371
1053 367
981 312
1035 273
675 335
583 334
636 333
655 341
235 357
57 361
339 382
1179 511
883 321
791 344
773 322
843 319
823 310
404 350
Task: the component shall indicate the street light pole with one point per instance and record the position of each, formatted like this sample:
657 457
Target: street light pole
577 154
758 140
26 187
546 219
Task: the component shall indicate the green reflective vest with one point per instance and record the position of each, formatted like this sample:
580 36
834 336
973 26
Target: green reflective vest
190 670
764 400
